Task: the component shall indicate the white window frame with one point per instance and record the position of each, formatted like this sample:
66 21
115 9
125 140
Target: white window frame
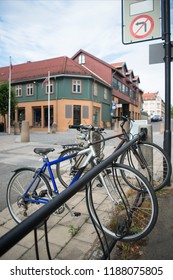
81 59
77 86
105 94
95 89
18 90
51 87
30 89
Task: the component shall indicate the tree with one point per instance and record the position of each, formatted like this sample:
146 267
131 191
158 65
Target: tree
4 98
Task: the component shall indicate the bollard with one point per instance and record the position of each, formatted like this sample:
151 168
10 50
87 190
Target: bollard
54 127
25 137
16 128
96 137
148 153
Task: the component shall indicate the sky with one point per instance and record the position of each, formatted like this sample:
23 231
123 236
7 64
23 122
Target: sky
32 30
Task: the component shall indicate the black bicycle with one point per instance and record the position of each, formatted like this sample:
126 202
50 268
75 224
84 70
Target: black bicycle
148 158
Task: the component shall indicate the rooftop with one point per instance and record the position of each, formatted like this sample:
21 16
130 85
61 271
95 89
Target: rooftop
39 69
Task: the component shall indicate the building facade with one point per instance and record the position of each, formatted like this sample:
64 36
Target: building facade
126 93
83 89
153 104
76 95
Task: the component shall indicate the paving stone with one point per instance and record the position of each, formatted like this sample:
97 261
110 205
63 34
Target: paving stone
75 250
14 253
43 255
59 235
87 233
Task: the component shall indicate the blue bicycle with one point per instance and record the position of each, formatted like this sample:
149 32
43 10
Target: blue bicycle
115 207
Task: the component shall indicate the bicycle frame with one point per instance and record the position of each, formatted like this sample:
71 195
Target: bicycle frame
124 139
47 166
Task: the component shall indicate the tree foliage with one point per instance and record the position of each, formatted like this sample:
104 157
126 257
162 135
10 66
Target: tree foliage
4 99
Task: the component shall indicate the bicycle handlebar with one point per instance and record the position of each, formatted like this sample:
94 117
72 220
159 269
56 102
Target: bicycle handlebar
81 126
123 118
86 127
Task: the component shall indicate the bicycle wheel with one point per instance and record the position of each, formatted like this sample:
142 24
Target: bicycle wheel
18 200
68 168
156 166
120 211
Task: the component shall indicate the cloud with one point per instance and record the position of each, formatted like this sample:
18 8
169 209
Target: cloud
37 29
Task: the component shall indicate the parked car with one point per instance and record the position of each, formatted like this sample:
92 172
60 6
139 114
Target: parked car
156 118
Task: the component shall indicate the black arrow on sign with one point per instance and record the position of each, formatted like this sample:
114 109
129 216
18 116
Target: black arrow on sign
143 23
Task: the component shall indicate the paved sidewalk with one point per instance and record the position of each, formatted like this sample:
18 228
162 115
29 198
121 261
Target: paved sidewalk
63 245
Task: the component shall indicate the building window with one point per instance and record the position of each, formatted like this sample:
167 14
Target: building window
96 116
81 59
105 93
46 116
18 90
76 86
126 90
51 87
21 115
123 88
29 89
119 86
37 117
76 114
95 89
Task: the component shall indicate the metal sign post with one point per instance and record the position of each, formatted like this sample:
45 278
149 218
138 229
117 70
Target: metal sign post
166 35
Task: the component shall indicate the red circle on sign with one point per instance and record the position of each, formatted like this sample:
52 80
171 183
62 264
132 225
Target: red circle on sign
147 19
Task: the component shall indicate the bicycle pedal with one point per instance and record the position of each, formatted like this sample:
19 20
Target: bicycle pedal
108 171
76 214
99 185
43 193
60 210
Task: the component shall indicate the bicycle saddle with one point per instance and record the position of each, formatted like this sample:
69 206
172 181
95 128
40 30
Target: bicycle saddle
43 151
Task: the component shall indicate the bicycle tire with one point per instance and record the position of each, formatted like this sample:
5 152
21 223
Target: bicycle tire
120 211
18 207
67 169
156 164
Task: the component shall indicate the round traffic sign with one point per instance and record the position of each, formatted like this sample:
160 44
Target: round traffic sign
141 26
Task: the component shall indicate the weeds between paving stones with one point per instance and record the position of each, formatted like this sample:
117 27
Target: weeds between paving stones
133 250
72 230
129 250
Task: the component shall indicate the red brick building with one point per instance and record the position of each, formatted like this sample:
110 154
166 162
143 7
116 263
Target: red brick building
125 85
